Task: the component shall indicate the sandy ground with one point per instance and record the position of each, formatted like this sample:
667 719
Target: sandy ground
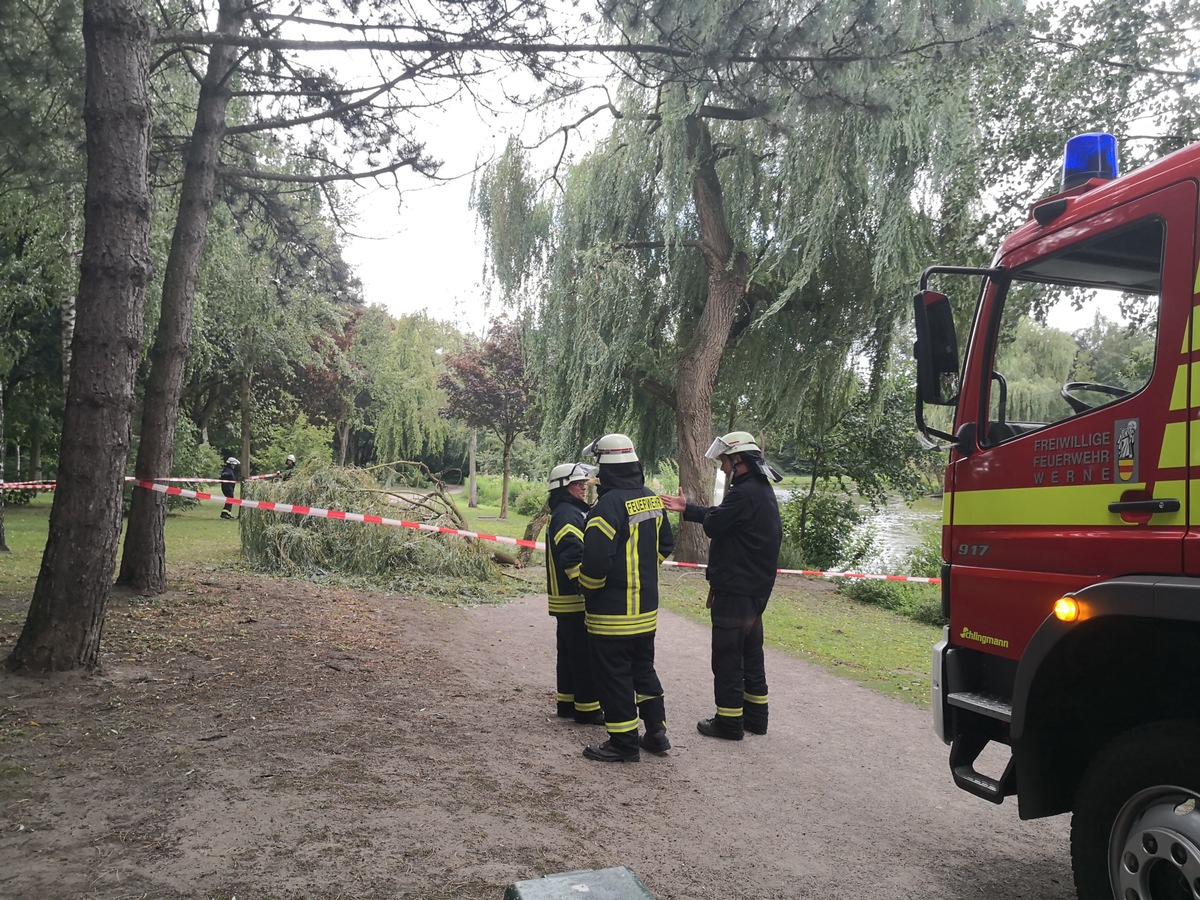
253 737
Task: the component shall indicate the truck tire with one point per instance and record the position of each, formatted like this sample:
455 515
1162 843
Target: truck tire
1135 831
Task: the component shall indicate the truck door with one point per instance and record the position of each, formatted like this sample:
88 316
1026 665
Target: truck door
1074 419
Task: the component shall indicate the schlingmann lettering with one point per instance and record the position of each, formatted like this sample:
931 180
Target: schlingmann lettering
642 504
969 635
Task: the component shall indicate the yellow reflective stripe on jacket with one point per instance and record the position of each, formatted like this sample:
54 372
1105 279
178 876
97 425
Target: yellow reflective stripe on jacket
573 571
607 530
633 581
591 584
567 603
569 528
621 626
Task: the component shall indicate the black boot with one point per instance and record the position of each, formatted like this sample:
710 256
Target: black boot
656 741
589 718
714 727
606 752
566 710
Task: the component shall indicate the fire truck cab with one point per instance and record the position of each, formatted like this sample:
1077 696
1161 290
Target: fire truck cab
1071 545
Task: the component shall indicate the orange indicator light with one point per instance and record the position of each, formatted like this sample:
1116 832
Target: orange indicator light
1066 609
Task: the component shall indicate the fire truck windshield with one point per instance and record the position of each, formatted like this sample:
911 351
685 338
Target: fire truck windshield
1077 330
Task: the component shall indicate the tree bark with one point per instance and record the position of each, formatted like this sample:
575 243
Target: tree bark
247 384
473 490
3 457
700 361
143 564
508 442
67 302
70 599
36 434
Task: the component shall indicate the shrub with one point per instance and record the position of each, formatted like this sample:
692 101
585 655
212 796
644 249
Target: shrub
832 534
919 602
530 501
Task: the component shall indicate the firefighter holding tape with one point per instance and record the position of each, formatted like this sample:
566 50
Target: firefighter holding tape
746 533
564 551
626 536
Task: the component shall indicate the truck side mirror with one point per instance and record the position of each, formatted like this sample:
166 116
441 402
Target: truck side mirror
936 349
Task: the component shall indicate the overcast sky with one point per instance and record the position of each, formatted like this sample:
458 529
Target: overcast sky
424 251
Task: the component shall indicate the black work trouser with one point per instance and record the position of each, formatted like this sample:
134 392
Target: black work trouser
738 666
228 492
628 686
574 667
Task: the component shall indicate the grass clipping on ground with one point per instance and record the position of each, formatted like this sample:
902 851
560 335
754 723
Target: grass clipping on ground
390 557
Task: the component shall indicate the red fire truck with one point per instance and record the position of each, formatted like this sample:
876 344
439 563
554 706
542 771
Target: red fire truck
1071 545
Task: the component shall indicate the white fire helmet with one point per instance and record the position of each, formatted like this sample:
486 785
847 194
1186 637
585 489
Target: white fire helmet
734 442
569 473
233 461
291 457
612 448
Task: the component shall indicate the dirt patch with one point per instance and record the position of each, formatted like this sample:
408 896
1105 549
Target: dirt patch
254 737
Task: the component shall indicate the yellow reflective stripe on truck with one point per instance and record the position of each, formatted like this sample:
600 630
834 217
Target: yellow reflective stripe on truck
1074 504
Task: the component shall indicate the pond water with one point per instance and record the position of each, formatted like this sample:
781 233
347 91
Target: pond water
898 528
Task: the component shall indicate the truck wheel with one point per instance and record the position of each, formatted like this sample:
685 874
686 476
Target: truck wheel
1135 832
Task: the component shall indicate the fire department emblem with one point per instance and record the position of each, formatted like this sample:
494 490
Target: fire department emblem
1125 438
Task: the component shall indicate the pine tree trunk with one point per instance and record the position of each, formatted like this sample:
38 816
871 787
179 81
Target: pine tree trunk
700 361
67 301
3 457
66 613
143 564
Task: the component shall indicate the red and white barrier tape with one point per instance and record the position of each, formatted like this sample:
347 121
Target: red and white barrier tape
27 485
421 526
50 485
271 506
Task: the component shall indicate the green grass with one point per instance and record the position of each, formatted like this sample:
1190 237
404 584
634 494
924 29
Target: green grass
192 535
486 520
806 618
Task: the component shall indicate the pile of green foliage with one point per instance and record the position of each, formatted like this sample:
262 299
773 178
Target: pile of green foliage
389 557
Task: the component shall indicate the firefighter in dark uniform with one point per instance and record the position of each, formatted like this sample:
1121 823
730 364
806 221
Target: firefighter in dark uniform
626 537
564 550
229 479
746 533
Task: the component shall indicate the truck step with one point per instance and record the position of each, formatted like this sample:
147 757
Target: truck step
963 753
985 704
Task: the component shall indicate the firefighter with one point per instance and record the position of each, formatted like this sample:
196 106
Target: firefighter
745 532
289 466
229 477
626 536
564 546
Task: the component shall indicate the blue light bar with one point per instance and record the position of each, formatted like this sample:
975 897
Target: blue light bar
1088 156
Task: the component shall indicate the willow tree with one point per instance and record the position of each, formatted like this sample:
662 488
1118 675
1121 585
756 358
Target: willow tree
407 423
737 193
